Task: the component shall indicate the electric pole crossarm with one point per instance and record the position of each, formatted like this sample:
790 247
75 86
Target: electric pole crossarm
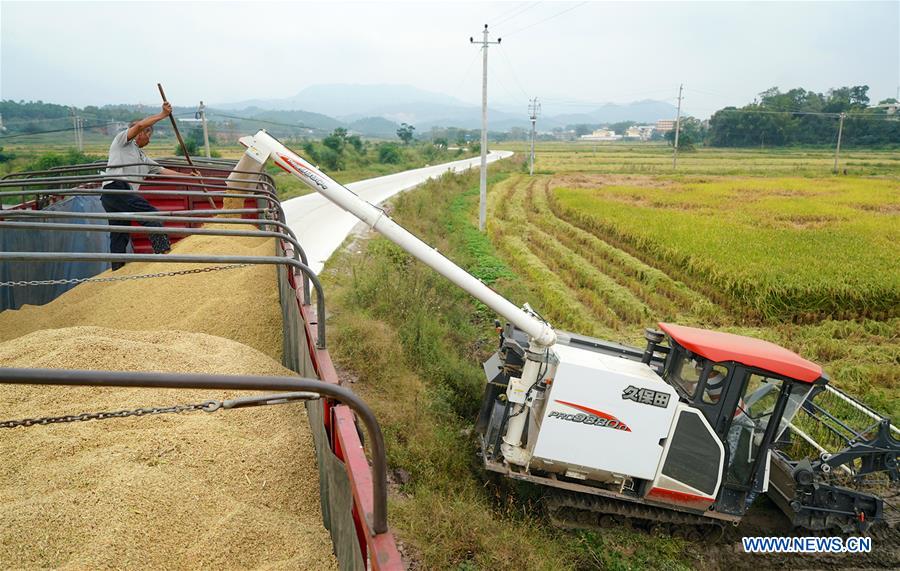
482 203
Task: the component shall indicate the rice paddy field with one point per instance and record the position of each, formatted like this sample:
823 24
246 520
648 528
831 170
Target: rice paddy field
578 244
768 244
656 159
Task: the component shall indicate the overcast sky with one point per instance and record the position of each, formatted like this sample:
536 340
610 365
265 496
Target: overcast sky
82 53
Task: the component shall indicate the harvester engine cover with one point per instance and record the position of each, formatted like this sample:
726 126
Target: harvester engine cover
603 418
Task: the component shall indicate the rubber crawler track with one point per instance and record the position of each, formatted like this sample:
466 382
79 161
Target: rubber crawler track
580 511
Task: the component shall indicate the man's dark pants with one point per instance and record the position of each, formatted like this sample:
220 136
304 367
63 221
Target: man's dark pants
118 241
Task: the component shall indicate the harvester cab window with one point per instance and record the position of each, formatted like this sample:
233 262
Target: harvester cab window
748 428
686 373
715 384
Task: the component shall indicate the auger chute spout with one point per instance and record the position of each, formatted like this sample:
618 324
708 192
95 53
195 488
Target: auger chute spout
263 146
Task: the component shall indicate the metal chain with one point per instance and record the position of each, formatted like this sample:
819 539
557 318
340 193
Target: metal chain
121 278
206 406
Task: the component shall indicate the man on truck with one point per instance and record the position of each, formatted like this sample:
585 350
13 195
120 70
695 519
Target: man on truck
126 159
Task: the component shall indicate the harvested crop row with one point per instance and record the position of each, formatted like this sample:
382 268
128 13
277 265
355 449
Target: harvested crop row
611 303
770 269
604 299
235 489
602 283
658 290
558 306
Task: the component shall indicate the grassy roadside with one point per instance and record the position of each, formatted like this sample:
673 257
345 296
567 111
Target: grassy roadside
414 342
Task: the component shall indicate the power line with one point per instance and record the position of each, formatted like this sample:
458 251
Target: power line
817 113
516 13
504 12
579 5
81 127
70 129
468 68
513 72
213 114
513 97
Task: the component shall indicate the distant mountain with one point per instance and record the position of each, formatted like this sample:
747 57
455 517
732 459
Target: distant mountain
647 111
349 101
374 127
377 110
293 117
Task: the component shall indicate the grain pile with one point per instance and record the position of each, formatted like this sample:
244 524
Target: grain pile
239 304
233 489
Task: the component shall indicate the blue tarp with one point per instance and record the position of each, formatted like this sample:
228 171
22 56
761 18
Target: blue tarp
51 241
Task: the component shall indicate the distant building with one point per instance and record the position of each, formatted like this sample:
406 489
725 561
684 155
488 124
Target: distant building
889 108
666 125
601 135
564 134
641 132
114 127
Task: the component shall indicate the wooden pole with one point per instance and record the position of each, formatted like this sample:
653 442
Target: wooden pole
837 150
181 142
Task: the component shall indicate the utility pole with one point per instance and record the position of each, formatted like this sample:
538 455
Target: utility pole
837 150
76 129
482 203
205 131
74 125
534 109
677 130
80 132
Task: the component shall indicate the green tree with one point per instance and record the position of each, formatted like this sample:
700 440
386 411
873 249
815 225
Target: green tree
583 129
690 133
406 132
357 143
334 142
389 153
331 159
190 144
622 126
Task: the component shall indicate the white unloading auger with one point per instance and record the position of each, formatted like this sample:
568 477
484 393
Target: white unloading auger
262 147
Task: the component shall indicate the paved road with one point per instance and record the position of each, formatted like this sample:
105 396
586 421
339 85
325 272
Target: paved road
321 227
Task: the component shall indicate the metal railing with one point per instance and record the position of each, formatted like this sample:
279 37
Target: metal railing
58 182
286 233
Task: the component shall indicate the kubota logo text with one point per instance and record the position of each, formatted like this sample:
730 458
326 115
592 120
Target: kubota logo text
589 416
305 171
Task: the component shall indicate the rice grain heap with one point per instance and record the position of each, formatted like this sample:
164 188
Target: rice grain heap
234 489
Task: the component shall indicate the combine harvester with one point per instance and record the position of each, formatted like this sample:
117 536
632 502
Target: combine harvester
684 434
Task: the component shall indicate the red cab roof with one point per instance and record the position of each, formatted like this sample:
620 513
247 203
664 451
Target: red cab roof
717 346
